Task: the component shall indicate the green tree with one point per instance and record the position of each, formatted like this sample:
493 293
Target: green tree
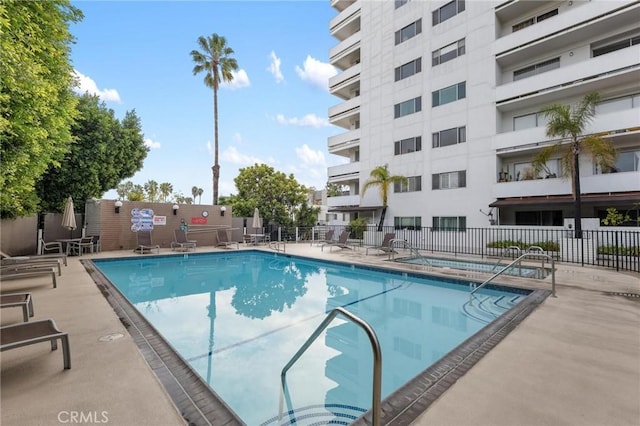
334 190
106 151
123 189
275 194
136 193
165 190
37 105
152 189
200 192
381 178
569 122
215 60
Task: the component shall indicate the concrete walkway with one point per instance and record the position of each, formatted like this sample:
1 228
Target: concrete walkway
574 361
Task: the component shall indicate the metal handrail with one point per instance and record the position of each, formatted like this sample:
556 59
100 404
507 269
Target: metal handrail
377 357
406 245
275 245
527 254
504 253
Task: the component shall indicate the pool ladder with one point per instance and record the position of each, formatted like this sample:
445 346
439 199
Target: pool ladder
377 360
518 261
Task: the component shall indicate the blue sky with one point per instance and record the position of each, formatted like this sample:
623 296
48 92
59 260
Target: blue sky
135 55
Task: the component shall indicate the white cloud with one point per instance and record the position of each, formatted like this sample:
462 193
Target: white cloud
240 80
237 138
232 155
310 157
86 84
274 67
209 147
316 73
151 144
309 120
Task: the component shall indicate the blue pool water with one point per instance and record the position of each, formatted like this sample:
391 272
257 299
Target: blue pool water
238 318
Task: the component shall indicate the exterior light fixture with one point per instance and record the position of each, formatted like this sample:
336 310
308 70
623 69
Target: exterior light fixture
118 204
175 209
222 210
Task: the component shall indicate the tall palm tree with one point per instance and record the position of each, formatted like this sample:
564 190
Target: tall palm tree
165 189
194 192
381 177
200 192
151 188
216 61
569 123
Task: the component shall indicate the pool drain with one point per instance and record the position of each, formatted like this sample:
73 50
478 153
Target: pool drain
110 337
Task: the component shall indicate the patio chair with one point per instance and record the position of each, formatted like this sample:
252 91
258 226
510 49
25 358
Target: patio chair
181 242
341 243
385 246
22 300
29 333
53 246
145 243
17 274
56 256
328 238
223 239
84 245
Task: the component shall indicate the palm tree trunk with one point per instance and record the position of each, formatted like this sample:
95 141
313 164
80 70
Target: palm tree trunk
216 166
577 202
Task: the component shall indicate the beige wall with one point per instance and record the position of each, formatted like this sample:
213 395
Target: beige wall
115 228
19 236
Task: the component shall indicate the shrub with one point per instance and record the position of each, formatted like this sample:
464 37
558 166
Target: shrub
620 250
357 227
545 245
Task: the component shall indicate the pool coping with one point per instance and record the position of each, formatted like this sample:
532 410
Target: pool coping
199 404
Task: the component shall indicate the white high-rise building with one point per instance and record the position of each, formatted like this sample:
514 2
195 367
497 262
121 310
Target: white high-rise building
449 94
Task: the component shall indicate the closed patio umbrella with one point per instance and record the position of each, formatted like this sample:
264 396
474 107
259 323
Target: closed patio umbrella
257 223
69 216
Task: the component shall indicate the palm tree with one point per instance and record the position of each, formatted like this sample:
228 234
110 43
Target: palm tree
569 123
165 189
151 188
380 177
194 192
216 61
200 192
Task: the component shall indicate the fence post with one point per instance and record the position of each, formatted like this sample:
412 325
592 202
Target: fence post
617 253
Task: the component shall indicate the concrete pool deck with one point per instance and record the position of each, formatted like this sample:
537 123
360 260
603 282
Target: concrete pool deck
575 360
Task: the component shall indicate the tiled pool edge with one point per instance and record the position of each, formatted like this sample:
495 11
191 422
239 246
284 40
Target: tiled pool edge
196 401
414 398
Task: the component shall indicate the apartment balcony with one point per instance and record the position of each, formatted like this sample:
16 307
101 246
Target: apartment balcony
345 84
347 52
585 21
597 74
344 173
346 23
604 183
341 5
345 113
343 201
512 9
344 143
615 123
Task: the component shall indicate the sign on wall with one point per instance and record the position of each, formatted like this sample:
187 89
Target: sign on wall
159 220
198 220
142 220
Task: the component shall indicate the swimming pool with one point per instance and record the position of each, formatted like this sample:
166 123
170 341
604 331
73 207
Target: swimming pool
238 318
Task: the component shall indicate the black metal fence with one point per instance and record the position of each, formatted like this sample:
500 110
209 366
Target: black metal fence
617 249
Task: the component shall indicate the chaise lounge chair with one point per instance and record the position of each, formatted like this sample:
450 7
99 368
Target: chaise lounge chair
15 263
386 246
328 238
57 256
340 243
31 272
145 243
181 242
223 239
22 300
28 333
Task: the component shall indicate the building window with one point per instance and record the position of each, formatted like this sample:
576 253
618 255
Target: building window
600 49
413 184
450 223
413 223
535 69
447 11
449 94
406 146
409 31
450 180
407 107
400 3
539 218
618 104
448 53
627 161
534 20
536 119
408 69
449 137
